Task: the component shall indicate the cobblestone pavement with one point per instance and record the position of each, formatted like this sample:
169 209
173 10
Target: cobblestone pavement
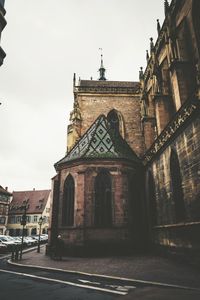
140 267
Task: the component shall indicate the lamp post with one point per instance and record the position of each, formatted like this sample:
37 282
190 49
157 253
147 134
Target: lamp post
23 223
40 224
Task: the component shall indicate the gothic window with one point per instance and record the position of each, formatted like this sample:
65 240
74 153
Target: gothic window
68 202
152 200
103 207
176 184
113 121
116 122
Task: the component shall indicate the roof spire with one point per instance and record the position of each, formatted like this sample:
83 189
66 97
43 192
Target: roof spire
151 45
158 26
147 56
141 73
102 69
166 5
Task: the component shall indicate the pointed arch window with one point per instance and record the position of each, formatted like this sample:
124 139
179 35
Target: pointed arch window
103 207
116 122
68 202
113 121
177 191
152 200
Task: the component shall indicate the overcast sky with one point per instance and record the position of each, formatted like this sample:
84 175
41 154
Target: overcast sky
46 41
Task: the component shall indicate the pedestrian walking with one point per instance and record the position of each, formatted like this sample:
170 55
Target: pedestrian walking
59 247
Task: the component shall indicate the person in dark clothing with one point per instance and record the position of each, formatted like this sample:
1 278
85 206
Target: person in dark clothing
59 247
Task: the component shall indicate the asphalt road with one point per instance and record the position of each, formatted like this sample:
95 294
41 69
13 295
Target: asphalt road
16 283
29 283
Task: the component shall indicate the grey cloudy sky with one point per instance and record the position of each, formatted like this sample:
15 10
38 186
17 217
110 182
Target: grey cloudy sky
46 41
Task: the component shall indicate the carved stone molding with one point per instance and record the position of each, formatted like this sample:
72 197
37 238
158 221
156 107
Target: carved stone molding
185 112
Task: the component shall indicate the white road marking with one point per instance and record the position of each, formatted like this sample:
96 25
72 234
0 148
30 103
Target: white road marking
65 282
87 281
121 287
130 287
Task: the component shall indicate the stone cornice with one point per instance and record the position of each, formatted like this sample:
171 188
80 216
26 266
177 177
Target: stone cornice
180 118
108 90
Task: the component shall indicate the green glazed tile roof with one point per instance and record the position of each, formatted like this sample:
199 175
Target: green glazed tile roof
100 142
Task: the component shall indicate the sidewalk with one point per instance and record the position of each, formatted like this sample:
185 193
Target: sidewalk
150 268
147 268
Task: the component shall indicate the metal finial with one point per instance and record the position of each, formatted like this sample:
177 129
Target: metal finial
102 69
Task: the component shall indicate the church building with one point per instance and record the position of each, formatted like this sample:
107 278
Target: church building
131 173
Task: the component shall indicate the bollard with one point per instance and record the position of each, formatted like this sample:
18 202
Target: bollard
16 252
13 253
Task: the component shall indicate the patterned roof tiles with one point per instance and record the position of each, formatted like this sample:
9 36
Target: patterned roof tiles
100 142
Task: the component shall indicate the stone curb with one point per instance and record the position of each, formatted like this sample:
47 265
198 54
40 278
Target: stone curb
158 284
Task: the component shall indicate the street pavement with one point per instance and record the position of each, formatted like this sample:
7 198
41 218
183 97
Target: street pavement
155 278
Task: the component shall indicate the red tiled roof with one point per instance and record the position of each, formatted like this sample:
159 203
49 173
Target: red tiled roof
36 201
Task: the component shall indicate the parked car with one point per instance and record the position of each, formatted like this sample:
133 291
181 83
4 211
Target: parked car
26 243
33 242
42 238
8 242
14 239
3 247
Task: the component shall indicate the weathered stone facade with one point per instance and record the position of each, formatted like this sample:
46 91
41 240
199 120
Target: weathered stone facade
170 98
153 185
94 98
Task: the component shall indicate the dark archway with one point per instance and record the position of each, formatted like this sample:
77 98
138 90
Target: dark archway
68 202
103 198
176 184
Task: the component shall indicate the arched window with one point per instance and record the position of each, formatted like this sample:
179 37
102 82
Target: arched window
103 207
152 200
116 122
176 183
68 202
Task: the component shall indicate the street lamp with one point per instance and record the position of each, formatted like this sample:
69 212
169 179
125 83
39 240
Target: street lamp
40 224
23 223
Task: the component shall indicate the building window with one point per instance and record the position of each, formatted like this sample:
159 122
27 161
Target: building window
68 202
176 184
18 219
3 209
152 200
103 210
2 220
28 219
35 218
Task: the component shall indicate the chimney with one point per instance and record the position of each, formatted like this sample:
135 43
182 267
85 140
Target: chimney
6 188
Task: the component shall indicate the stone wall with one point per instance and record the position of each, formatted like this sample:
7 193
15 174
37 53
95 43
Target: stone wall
187 145
84 231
